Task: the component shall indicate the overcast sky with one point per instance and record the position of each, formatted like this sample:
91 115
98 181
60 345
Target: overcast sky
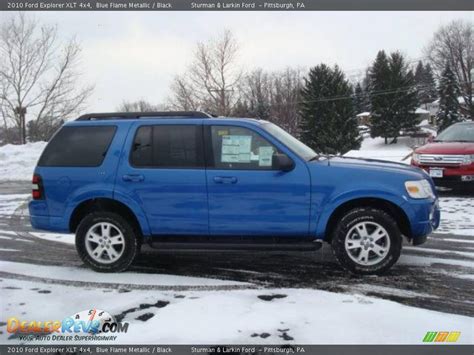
134 55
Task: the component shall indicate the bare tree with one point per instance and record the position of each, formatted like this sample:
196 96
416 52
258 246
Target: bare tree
453 45
210 83
139 106
272 96
184 97
38 75
256 92
285 97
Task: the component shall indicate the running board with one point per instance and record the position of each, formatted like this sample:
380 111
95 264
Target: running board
296 246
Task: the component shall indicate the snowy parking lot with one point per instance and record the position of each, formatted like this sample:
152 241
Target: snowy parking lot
246 297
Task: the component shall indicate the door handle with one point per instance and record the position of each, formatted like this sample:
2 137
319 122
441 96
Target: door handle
225 180
133 177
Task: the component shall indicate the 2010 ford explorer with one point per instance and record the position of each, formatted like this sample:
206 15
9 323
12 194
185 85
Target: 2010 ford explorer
188 180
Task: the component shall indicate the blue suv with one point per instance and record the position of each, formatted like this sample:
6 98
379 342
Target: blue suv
189 180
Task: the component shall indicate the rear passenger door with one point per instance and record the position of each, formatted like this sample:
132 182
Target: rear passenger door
164 171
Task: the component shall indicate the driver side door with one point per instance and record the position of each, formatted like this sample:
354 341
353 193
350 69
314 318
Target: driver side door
247 195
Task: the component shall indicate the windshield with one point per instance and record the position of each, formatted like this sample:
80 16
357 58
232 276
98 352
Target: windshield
291 142
457 133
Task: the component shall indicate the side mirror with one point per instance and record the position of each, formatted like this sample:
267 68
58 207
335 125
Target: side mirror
282 162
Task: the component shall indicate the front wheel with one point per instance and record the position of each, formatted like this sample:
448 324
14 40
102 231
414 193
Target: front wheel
367 241
106 242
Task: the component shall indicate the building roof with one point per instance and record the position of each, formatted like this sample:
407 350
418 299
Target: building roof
420 111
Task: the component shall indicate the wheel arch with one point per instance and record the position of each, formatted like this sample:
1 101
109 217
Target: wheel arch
103 204
387 206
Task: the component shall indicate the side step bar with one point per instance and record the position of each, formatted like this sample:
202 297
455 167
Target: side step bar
296 246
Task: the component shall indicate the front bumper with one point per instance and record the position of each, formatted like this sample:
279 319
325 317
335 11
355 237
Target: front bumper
424 216
455 182
458 176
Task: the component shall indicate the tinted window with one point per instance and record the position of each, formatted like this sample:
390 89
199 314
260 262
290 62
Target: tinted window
168 146
240 148
141 149
78 146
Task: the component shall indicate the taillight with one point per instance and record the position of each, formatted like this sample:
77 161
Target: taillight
37 190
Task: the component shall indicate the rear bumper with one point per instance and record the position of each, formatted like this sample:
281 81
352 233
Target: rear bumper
40 220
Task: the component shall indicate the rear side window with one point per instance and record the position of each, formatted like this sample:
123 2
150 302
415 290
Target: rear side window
78 146
168 146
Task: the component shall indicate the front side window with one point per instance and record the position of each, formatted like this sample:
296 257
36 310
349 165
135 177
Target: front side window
167 146
75 146
240 148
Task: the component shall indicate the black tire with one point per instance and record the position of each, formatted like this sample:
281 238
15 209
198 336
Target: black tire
370 215
131 241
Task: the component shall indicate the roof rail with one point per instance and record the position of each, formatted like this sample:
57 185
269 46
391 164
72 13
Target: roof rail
137 115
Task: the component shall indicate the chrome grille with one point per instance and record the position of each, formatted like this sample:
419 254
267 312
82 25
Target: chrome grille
439 159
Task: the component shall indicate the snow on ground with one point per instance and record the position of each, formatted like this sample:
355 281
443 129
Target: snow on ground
17 162
457 215
9 203
415 260
129 278
56 237
375 148
235 317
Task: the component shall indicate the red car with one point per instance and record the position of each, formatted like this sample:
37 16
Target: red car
449 158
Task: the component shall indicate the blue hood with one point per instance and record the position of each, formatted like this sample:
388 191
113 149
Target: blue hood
379 166
374 177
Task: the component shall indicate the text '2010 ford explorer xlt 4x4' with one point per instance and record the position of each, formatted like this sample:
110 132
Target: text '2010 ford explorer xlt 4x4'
185 179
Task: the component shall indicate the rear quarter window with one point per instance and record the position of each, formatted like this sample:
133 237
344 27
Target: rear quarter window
78 146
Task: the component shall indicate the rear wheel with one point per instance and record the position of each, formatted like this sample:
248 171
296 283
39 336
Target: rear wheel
106 242
367 241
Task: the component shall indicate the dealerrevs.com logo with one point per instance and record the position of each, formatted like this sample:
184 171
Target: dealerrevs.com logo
92 324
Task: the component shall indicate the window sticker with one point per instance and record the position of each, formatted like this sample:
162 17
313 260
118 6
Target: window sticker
236 149
265 155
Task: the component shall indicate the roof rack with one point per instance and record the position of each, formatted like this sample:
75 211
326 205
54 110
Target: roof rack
137 115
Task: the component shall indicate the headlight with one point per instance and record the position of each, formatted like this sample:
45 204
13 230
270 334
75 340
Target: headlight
416 157
419 189
468 159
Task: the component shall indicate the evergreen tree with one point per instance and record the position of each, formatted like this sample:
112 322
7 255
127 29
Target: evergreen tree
241 109
448 99
328 124
379 76
366 90
360 103
430 92
393 96
425 83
